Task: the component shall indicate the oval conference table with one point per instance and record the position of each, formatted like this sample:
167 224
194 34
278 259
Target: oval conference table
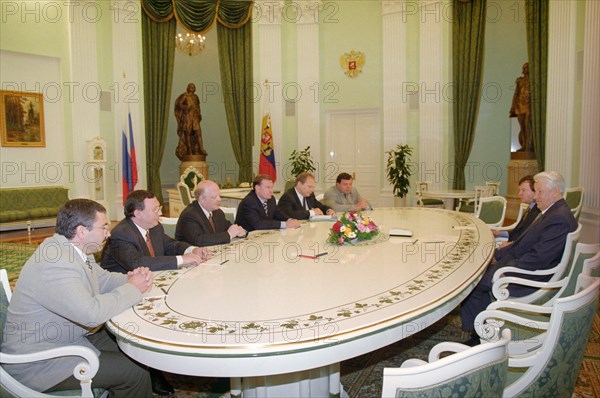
279 325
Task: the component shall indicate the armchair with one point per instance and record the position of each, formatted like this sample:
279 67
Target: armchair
479 371
491 210
574 198
187 183
423 186
471 205
84 371
501 282
547 364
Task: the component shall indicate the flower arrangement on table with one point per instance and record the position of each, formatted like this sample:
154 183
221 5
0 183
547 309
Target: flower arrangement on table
352 227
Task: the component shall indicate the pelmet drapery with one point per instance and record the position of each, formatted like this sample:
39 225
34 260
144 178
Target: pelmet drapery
158 31
468 38
537 52
158 53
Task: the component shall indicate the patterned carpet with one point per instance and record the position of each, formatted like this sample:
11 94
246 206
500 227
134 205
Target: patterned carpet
361 376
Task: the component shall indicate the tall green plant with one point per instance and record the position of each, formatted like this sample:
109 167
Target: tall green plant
399 169
301 162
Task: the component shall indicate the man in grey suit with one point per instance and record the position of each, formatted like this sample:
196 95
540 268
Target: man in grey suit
140 240
539 247
300 202
343 197
63 298
202 222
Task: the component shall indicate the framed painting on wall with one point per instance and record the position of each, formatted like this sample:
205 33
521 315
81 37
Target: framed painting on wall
22 119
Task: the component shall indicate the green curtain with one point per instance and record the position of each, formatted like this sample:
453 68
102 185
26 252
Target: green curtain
537 52
158 57
235 59
235 56
468 38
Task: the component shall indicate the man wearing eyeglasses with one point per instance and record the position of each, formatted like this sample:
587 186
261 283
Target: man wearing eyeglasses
140 239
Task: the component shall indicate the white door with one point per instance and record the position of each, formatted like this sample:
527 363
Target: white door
353 146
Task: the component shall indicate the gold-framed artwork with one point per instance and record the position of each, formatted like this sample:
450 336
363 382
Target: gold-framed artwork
22 119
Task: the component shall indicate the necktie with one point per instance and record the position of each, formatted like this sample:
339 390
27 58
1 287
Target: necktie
211 221
305 204
149 243
266 207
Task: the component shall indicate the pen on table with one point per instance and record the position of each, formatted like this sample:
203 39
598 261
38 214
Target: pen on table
415 242
164 291
223 262
321 254
305 256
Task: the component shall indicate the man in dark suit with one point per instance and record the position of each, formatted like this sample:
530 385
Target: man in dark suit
539 247
202 222
258 209
140 240
526 194
300 202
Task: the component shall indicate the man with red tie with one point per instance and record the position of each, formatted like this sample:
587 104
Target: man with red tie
139 240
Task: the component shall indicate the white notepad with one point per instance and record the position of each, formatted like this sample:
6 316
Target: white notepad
400 232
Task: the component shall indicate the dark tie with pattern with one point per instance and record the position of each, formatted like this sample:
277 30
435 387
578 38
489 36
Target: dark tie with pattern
266 207
305 204
149 243
211 221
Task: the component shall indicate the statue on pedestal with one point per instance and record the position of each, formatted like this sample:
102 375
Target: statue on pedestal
188 115
521 109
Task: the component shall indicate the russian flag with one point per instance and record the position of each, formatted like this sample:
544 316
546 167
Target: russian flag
266 164
130 174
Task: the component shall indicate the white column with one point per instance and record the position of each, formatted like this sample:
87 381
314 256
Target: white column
396 89
127 96
308 87
84 90
434 65
590 125
561 88
269 59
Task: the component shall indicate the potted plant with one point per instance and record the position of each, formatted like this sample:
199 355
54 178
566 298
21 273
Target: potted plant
301 162
398 172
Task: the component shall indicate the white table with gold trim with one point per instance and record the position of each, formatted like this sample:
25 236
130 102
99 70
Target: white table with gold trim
448 195
279 325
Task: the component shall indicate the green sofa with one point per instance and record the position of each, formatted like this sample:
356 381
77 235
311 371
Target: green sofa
26 207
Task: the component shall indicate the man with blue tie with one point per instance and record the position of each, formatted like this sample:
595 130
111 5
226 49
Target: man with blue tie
258 209
539 247
300 201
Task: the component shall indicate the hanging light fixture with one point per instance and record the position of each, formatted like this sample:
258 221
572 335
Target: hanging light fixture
189 43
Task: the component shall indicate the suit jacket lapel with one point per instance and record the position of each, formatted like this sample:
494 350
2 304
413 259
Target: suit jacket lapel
205 223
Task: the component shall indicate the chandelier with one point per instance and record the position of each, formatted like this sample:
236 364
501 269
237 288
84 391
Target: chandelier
190 43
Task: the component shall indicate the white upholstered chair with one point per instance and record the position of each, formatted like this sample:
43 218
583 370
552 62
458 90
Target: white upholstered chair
574 198
84 371
469 372
492 210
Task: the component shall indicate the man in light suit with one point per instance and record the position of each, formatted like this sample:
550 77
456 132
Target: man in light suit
343 197
63 298
300 202
526 194
258 209
539 247
140 240
202 222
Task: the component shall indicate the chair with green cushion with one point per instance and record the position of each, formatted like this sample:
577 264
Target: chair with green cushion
471 205
550 365
84 371
574 198
491 210
187 183
501 283
169 225
479 371
423 186
585 260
